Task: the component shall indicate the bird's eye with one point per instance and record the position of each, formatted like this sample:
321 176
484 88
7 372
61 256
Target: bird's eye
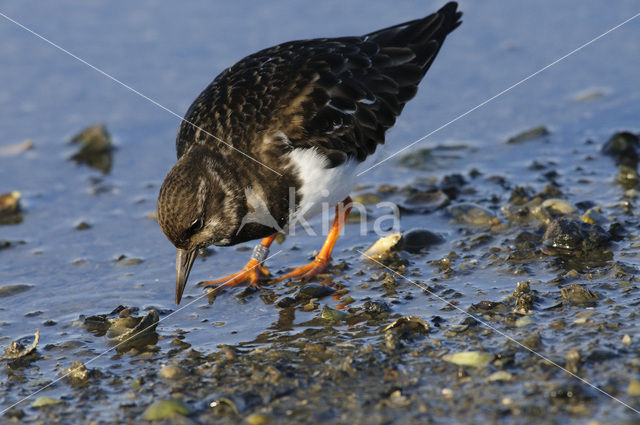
197 224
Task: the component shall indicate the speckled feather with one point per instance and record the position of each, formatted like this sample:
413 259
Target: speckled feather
338 95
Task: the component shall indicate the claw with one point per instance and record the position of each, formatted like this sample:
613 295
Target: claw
252 273
307 271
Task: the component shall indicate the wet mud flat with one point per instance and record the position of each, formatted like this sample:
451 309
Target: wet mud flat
499 287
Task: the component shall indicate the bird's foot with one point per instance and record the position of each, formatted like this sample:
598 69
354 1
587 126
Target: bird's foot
252 274
307 271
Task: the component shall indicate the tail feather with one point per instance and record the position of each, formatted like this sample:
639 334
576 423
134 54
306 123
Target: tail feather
423 37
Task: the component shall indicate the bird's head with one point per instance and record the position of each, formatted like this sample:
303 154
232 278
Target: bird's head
196 208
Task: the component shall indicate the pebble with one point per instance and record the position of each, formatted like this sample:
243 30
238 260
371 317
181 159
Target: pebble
471 214
571 235
172 372
165 410
593 216
15 149
9 290
77 373
257 419
623 147
332 314
634 388
45 401
423 202
578 295
501 375
313 290
367 198
469 358
558 206
376 307
382 248
10 203
415 240
531 134
95 148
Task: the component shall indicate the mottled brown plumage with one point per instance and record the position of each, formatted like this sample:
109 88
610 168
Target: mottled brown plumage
339 95
335 95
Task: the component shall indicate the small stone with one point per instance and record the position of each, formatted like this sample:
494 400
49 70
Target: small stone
257 419
313 290
533 341
501 375
578 295
558 206
634 388
565 235
409 324
531 134
17 349
45 401
406 328
10 203
590 94
623 148
469 358
332 314
82 225
627 176
9 290
286 302
472 214
447 392
165 410
376 307
382 247
593 216
367 198
125 261
415 240
573 360
172 372
524 297
95 148
13 150
15 413
77 373
523 321
10 208
424 202
626 340
310 306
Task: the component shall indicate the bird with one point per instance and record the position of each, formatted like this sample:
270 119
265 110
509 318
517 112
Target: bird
284 131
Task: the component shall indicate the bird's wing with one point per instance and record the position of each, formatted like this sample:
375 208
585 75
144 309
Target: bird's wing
337 95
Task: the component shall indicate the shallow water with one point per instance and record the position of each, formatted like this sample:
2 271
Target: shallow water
170 53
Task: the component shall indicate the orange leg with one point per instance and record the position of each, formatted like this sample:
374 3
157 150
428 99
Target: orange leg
252 272
324 256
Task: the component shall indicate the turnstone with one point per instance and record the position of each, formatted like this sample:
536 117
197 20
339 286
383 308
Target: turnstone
284 131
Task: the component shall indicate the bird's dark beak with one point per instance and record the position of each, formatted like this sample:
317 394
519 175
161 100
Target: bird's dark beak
184 261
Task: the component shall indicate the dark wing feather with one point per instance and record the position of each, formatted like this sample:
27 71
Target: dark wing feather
337 95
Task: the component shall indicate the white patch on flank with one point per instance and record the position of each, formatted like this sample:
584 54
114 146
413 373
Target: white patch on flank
320 184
